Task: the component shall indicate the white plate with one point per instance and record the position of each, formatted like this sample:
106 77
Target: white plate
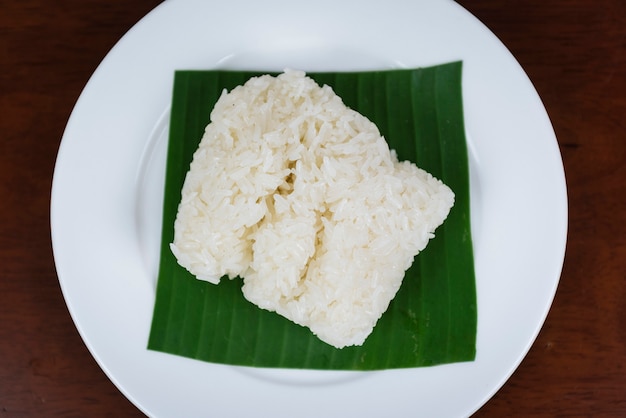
108 181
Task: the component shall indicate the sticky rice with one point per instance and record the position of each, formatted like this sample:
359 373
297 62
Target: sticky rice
301 197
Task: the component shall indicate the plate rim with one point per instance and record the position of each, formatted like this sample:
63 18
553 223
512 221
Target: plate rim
56 206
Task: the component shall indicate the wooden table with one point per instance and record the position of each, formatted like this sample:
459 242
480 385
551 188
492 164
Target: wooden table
573 50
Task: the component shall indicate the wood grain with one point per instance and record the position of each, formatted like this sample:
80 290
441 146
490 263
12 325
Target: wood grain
574 51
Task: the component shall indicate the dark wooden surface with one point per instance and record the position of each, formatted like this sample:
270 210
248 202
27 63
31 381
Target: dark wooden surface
573 50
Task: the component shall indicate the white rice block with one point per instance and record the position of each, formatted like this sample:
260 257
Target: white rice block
302 198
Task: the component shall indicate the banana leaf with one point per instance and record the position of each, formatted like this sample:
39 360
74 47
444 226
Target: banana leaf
433 318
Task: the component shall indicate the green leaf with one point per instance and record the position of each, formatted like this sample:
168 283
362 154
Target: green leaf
432 319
